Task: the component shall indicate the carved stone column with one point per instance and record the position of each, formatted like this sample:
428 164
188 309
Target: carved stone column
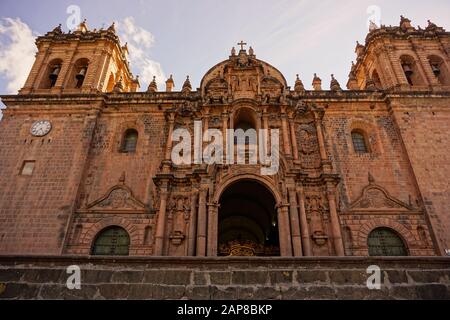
323 153
295 225
226 151
193 223
284 230
265 120
284 126
213 222
171 119
201 224
161 224
304 227
335 223
326 165
293 138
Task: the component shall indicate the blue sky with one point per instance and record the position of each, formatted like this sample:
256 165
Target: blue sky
189 37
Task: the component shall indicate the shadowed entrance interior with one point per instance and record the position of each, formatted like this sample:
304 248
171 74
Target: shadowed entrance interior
248 221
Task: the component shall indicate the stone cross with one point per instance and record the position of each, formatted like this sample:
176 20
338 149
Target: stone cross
242 44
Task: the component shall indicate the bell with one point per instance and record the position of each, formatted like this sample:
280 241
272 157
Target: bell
436 70
80 76
54 75
407 69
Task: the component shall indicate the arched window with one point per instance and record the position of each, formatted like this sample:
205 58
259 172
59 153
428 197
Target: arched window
79 73
130 141
439 70
245 126
112 241
359 142
411 71
385 242
376 79
52 74
245 119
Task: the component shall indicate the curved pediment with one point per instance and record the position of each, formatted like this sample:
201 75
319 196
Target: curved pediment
375 198
118 198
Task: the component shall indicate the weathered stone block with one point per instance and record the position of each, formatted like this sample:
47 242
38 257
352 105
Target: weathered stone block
220 278
434 276
433 292
127 277
250 277
350 277
311 276
279 277
114 291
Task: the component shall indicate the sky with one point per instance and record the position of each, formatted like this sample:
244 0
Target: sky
183 38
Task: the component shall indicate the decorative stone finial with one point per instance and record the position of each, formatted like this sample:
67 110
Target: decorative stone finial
83 26
251 51
372 26
170 84
317 83
112 28
352 83
405 23
431 26
152 87
58 29
334 85
233 51
299 87
187 87
118 87
359 48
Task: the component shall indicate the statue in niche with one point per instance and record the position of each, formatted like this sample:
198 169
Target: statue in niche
180 213
316 210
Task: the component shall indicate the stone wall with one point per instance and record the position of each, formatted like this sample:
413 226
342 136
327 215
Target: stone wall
424 126
224 278
35 210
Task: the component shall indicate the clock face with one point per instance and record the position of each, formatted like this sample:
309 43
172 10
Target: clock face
41 128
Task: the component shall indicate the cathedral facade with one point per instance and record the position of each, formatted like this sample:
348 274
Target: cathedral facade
87 167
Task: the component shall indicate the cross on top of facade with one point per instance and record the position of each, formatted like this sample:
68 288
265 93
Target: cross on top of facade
242 44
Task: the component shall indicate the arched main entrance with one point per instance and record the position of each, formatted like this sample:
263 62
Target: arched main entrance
248 221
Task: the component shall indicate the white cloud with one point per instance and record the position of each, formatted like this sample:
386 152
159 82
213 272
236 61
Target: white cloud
140 41
17 52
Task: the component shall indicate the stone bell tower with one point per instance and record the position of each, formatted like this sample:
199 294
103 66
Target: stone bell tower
403 58
82 61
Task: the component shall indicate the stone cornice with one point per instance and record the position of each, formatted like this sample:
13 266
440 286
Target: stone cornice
181 262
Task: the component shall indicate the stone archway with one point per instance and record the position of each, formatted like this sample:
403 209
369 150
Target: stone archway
247 220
